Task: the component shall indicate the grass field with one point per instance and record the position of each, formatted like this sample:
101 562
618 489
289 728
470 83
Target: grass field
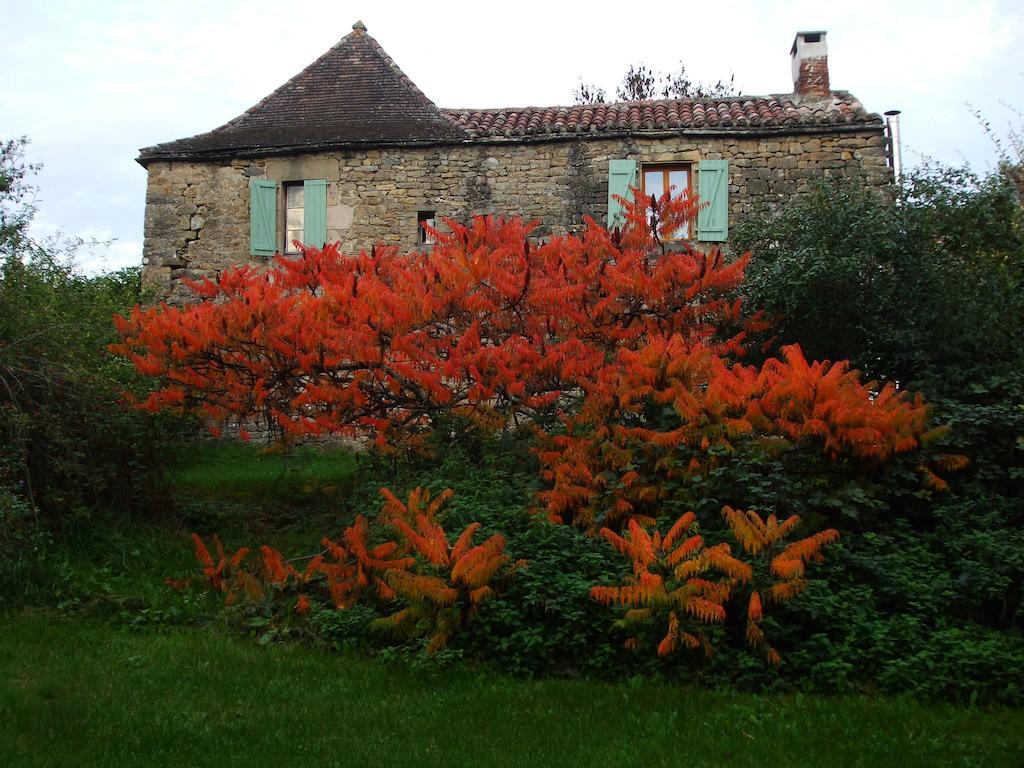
110 564
83 693
240 470
114 668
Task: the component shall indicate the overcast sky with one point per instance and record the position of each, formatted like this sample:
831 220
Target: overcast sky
91 82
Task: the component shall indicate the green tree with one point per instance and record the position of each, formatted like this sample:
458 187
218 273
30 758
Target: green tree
926 289
640 83
16 207
912 289
66 441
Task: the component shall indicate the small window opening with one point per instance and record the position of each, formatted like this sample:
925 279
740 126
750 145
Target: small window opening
816 38
430 219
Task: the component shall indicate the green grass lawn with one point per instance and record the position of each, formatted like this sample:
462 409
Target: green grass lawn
119 669
110 564
244 470
84 693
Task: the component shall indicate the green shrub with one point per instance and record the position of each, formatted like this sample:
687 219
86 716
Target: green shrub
907 289
66 440
68 437
24 546
924 595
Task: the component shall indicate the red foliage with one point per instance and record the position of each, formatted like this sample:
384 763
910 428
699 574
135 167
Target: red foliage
678 579
712 404
347 569
451 580
438 585
234 575
636 348
487 324
420 503
355 565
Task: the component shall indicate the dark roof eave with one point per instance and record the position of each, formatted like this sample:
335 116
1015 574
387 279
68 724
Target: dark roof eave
149 155
155 154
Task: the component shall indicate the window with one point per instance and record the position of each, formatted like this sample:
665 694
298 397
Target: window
301 206
675 177
708 177
430 219
294 215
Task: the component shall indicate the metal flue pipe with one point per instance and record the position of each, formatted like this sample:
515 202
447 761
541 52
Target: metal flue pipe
892 125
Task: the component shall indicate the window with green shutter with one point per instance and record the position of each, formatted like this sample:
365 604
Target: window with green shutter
262 217
305 214
621 177
315 218
713 189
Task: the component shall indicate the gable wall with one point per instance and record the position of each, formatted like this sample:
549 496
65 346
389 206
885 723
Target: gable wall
197 213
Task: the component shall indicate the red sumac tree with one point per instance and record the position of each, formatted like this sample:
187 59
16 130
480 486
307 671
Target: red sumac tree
634 348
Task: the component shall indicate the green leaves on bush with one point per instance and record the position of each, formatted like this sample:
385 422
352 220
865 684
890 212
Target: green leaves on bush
66 441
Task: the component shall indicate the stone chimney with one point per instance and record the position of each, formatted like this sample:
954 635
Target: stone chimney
810 65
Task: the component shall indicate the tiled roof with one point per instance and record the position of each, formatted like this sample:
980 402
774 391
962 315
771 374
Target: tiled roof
353 94
741 112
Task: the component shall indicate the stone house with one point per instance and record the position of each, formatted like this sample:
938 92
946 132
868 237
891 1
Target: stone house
350 150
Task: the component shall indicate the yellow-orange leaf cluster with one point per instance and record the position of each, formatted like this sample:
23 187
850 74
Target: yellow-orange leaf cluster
715 404
675 579
455 578
440 584
765 540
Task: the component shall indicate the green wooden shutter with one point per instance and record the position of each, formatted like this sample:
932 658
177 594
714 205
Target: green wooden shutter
713 182
262 217
315 214
621 176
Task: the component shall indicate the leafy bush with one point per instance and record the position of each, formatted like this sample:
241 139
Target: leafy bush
68 438
632 352
626 362
925 592
910 289
24 546
67 441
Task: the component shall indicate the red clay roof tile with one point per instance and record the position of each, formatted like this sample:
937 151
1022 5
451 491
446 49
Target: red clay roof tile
777 111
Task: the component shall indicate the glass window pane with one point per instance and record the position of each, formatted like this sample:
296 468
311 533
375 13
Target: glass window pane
291 235
296 195
654 183
294 218
679 181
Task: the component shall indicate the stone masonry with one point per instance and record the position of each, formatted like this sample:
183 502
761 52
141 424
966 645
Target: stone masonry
197 213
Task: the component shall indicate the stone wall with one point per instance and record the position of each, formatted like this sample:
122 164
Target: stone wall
197 214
